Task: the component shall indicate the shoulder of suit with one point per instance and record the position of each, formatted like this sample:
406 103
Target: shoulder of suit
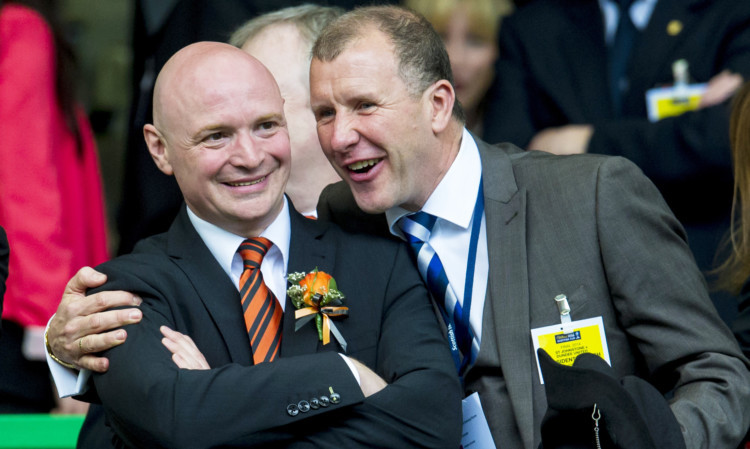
337 205
533 169
147 258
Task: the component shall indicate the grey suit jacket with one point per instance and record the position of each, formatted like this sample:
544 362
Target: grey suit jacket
596 229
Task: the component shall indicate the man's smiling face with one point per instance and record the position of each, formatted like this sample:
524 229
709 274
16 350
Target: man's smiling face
376 133
223 135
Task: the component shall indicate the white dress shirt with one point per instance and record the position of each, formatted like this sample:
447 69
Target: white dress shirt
640 14
224 245
453 202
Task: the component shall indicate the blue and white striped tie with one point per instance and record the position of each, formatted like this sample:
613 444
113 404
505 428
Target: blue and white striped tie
417 229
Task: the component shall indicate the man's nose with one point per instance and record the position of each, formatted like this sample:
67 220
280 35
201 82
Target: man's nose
344 133
246 151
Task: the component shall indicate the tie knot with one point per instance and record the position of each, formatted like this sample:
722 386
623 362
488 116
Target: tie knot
418 225
252 251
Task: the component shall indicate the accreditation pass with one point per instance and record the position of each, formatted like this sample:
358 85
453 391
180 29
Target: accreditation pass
565 341
476 432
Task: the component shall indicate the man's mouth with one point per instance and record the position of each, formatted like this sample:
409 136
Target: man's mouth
248 183
362 166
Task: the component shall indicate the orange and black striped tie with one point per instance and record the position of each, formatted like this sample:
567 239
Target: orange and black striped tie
259 305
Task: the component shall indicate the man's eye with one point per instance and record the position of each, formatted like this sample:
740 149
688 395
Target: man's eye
323 114
267 126
366 105
215 136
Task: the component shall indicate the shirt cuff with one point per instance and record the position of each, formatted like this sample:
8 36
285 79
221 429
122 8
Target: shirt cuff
68 382
353 368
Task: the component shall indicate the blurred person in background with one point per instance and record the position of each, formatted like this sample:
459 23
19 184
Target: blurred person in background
469 29
575 77
51 203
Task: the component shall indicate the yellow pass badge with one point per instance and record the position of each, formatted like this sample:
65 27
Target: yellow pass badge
663 102
565 341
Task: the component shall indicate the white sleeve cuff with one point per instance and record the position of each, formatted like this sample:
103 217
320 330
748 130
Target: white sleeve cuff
352 368
68 381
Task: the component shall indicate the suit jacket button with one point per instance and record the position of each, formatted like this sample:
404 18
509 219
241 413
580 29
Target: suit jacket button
304 406
314 403
324 401
292 409
335 398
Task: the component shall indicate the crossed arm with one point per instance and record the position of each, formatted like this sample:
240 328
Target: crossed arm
574 139
84 326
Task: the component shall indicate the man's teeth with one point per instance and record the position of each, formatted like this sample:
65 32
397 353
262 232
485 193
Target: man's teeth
363 164
241 184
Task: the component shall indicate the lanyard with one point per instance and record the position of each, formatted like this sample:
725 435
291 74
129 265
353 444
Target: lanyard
462 312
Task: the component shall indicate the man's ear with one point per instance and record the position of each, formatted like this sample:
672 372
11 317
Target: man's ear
441 97
158 148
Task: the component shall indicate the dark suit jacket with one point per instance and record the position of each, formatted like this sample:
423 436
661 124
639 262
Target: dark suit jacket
552 71
595 229
391 328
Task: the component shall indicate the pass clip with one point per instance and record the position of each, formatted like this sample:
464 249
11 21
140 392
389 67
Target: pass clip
563 307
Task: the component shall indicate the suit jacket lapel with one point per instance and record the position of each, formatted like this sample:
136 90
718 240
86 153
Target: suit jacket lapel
505 211
219 296
306 252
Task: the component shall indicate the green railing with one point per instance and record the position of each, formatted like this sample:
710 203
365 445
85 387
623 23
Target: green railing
42 431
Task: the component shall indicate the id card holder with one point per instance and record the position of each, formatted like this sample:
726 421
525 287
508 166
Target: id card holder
568 339
663 102
476 431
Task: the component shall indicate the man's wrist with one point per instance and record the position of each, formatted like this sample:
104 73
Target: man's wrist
54 357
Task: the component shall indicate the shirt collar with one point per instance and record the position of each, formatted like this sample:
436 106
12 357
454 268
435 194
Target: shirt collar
455 196
223 244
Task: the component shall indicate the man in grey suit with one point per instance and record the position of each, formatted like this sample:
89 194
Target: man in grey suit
590 227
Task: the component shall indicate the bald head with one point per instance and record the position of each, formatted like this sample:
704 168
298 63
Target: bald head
201 70
219 128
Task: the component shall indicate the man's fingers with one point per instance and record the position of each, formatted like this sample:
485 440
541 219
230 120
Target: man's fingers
106 300
111 319
93 363
169 333
67 345
94 343
84 279
720 88
170 344
185 353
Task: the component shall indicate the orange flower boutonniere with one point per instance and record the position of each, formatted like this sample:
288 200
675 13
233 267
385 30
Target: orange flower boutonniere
315 295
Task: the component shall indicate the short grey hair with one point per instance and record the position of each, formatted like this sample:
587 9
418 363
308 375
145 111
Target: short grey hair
309 20
419 50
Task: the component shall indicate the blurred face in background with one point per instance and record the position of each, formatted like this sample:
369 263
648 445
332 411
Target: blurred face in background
469 30
283 50
472 58
286 53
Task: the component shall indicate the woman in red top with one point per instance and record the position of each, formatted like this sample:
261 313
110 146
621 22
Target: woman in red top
51 203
